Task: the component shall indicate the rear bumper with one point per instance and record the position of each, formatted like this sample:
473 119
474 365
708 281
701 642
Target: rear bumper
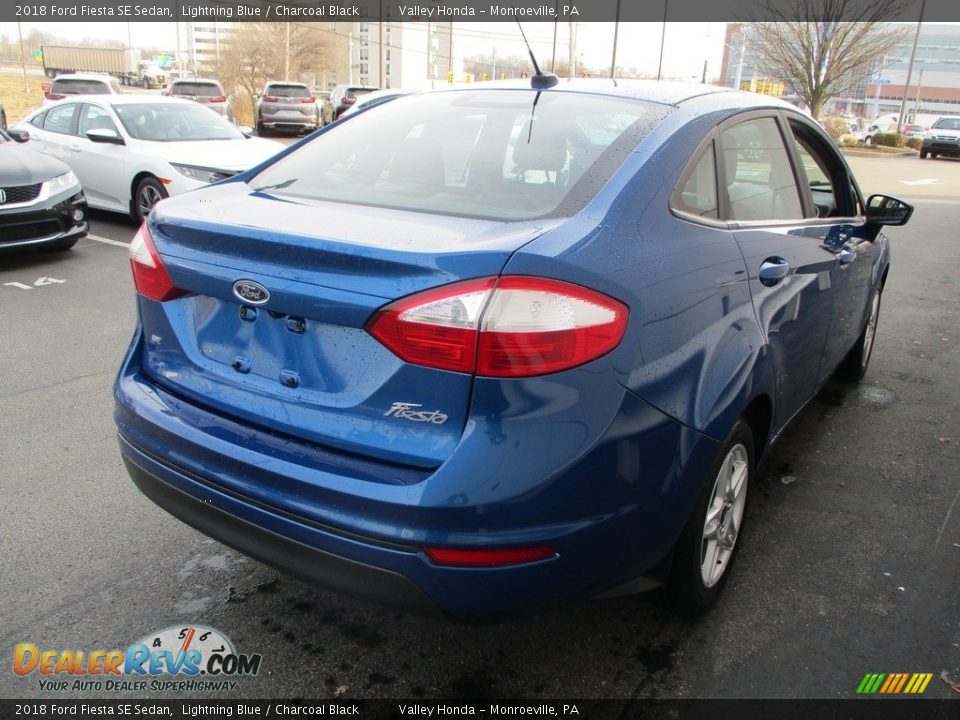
208 510
611 516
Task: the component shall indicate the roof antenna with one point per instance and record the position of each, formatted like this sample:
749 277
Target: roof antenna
540 80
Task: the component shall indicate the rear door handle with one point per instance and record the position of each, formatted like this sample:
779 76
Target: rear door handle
846 256
773 270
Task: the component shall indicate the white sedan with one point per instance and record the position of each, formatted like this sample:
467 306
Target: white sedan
131 151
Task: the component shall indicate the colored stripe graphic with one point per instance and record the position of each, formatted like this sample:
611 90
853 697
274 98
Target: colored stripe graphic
894 683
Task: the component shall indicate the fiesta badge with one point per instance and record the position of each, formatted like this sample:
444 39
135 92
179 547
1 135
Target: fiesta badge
250 292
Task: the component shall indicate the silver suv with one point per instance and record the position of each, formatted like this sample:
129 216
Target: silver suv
286 106
208 93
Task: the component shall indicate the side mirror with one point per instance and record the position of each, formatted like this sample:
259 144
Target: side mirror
246 130
105 135
886 210
21 136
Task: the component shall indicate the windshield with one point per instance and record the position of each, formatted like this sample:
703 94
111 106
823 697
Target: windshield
947 124
290 91
79 87
476 153
196 88
174 122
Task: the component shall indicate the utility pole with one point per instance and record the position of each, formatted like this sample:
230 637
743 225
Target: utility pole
23 62
450 58
913 56
572 51
382 82
179 61
286 53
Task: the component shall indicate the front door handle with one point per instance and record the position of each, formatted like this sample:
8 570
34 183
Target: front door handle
773 270
75 148
846 256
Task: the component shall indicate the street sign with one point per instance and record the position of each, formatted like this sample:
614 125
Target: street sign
879 81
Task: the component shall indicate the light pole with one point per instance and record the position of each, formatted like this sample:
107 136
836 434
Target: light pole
913 56
23 61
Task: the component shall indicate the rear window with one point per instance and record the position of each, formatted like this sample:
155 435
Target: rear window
79 87
196 88
477 153
354 93
291 91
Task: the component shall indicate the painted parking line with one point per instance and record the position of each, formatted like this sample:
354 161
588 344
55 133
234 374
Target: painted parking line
107 241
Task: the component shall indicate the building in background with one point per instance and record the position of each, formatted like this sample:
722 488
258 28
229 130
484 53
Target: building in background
202 44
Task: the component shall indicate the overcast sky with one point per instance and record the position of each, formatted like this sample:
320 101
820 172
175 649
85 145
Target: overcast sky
686 48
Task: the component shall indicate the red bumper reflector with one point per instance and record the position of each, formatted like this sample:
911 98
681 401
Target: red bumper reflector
488 557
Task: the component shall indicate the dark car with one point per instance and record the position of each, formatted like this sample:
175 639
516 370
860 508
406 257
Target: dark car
482 350
341 98
209 93
41 203
943 138
286 106
3 118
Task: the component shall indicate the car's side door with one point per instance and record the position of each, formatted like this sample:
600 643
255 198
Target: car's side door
789 269
838 223
101 166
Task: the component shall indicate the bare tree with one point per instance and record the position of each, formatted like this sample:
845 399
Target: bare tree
263 51
823 48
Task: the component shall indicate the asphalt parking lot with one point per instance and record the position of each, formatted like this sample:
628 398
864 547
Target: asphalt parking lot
850 562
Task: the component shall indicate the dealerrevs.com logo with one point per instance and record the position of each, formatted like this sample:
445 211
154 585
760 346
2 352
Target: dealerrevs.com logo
182 658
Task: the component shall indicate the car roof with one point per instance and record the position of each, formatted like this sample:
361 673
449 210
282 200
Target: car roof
194 81
285 82
664 92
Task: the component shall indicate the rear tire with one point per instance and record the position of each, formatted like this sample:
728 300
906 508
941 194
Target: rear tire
855 364
709 542
923 154
3 121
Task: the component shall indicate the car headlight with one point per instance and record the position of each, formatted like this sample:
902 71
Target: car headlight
202 174
61 183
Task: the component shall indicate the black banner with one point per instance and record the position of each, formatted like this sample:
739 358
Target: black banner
446 10
569 709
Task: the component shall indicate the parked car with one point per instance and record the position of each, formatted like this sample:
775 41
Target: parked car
131 151
341 98
286 106
913 131
209 93
64 86
942 139
41 203
377 97
486 349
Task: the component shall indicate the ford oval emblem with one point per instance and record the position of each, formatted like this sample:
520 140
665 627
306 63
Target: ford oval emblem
250 292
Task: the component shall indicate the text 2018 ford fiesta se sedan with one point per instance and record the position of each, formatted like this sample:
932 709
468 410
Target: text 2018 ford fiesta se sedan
483 350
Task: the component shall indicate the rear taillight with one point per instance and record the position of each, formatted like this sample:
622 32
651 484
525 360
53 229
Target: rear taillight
308 99
218 98
149 275
512 326
54 96
271 99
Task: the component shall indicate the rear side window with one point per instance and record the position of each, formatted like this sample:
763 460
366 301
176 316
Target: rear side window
60 119
697 194
79 87
758 177
37 120
476 153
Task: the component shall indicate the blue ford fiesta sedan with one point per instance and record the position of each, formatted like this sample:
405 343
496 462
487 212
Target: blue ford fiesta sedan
483 350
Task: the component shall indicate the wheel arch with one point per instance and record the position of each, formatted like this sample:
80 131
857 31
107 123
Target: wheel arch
137 179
